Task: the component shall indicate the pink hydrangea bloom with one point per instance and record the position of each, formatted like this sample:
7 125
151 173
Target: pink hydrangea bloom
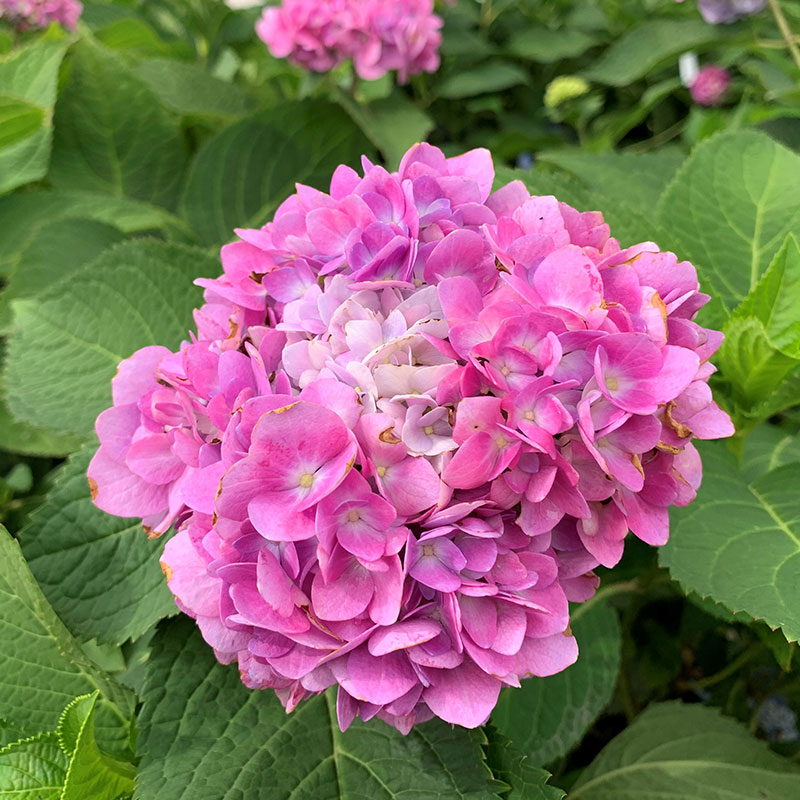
710 85
415 417
378 35
27 14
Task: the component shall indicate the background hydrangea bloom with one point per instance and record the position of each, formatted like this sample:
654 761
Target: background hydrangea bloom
415 417
26 14
710 85
378 35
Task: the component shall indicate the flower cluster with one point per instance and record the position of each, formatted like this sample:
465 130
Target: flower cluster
415 417
717 12
709 86
378 35
27 14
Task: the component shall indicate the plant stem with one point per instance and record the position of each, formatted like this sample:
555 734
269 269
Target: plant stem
786 31
729 670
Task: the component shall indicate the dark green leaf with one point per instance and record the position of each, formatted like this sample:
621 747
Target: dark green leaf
99 572
494 76
33 769
204 736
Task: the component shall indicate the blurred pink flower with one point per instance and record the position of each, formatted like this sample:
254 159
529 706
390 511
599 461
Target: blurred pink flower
27 14
710 85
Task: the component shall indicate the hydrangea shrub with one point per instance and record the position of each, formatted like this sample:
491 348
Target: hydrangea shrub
377 35
415 416
29 14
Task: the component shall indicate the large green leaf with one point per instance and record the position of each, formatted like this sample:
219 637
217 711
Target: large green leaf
56 251
68 341
546 45
42 668
730 208
112 134
100 573
33 769
547 717
739 541
187 88
204 736
637 179
22 215
768 447
525 780
28 77
687 752
493 76
649 45
241 175
91 773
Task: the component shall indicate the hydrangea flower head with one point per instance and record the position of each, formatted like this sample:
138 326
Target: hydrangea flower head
717 12
415 416
710 85
27 14
377 35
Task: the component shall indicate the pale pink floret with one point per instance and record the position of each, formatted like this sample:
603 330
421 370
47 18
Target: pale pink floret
416 417
377 35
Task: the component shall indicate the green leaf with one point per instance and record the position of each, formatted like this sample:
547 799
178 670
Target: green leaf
42 667
112 134
55 252
22 215
775 300
493 76
99 572
19 119
240 176
19 437
546 46
652 44
766 448
73 336
135 36
187 88
729 208
28 77
91 773
393 124
204 736
750 362
739 541
686 752
547 717
33 769
510 765
636 178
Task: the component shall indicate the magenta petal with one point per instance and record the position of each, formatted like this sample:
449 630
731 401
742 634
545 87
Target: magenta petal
547 656
118 491
377 679
411 486
463 696
402 635
568 279
345 597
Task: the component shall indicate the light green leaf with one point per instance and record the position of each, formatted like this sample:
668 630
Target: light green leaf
750 362
23 214
776 298
240 176
525 780
135 36
493 76
204 736
68 341
729 209
393 124
55 252
739 541
19 119
28 77
546 45
33 769
652 44
42 667
99 572
91 773
188 89
112 134
686 752
547 717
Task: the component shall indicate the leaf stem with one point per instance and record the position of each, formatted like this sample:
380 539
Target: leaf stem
730 669
786 31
